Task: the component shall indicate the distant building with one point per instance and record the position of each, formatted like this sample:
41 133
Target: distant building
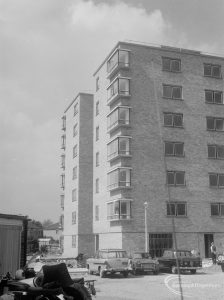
77 177
158 124
53 231
35 231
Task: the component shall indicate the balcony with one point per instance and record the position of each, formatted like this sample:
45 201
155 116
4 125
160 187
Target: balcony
119 210
119 88
119 60
120 178
119 117
119 148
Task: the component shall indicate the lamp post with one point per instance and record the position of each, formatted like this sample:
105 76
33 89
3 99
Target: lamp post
146 227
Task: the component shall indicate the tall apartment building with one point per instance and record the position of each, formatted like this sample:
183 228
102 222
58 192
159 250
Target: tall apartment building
158 137
77 176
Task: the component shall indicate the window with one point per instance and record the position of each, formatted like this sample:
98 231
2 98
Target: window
118 117
74 217
216 151
96 212
75 151
174 149
171 64
97 133
217 209
176 209
119 210
74 173
215 97
216 180
119 146
97 159
119 178
62 200
173 120
64 123
97 83
63 181
211 70
172 92
63 161
119 58
63 140
97 185
75 109
175 178
74 195
215 124
73 241
75 131
97 107
121 86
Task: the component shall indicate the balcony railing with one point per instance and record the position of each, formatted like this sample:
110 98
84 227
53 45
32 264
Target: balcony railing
119 184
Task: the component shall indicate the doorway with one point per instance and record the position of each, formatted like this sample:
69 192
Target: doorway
208 239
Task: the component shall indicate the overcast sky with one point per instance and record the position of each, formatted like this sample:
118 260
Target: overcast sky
49 50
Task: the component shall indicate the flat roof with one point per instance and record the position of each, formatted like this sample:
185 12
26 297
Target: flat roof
79 94
15 217
160 47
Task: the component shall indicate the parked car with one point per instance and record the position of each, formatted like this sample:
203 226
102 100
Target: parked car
142 262
108 261
186 261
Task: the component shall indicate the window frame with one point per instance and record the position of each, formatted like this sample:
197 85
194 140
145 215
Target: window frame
74 215
75 151
75 131
219 205
213 93
212 66
97 133
217 179
97 159
216 152
97 186
214 121
114 210
173 115
74 173
175 173
174 144
172 87
75 109
97 108
175 204
74 195
171 60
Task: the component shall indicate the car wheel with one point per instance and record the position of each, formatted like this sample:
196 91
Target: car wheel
125 274
174 270
102 273
193 271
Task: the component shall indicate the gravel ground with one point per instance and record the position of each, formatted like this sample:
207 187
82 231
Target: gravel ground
206 284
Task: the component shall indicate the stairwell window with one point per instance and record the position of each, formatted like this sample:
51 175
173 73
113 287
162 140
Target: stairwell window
75 131
216 180
97 159
75 151
173 120
172 92
96 212
74 195
217 209
97 133
176 209
171 64
211 70
215 123
74 173
97 107
73 217
214 97
176 178
97 185
174 148
75 109
73 241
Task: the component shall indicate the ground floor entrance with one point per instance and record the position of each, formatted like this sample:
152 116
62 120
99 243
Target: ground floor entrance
208 239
